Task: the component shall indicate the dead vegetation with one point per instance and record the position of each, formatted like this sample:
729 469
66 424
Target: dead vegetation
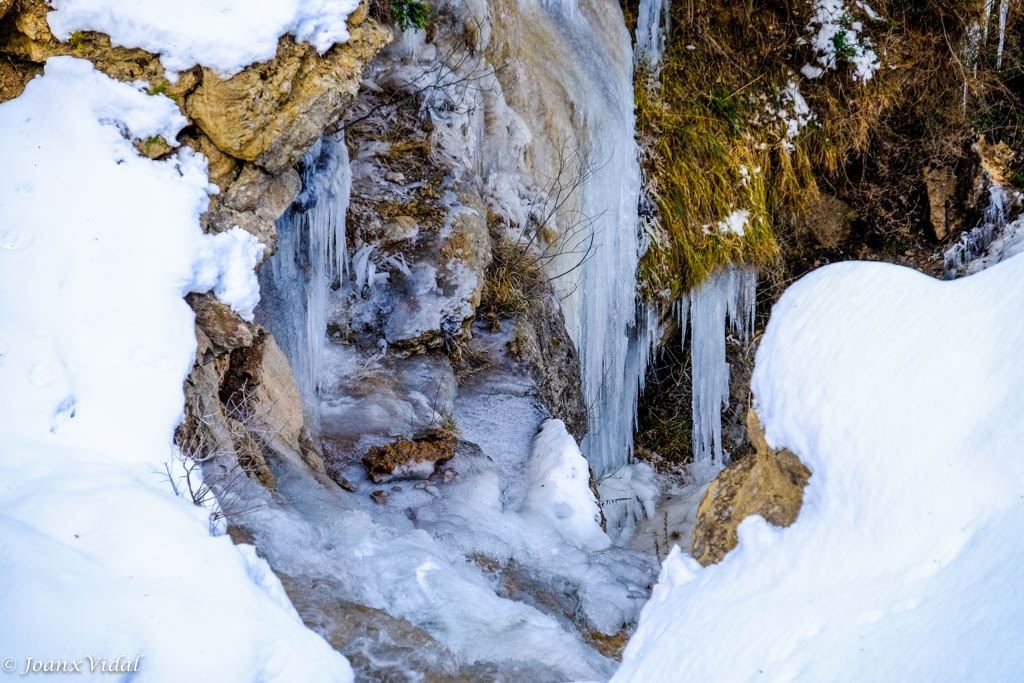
703 121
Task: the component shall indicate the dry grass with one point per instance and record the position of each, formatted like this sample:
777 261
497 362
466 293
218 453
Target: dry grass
514 280
704 120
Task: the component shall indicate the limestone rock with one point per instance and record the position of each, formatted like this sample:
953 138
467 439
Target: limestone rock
271 113
769 483
277 395
827 221
14 77
254 190
404 459
941 185
222 168
253 201
219 322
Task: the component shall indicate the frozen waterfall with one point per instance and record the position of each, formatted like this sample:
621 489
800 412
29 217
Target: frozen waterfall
311 254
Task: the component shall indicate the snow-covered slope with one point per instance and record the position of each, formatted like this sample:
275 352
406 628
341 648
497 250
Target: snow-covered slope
904 396
98 245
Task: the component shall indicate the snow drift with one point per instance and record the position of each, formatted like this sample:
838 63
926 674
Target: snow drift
903 396
98 245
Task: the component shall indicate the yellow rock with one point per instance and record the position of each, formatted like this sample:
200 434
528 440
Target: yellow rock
271 113
769 483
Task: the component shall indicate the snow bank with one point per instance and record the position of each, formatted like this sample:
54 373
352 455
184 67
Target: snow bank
903 396
224 35
559 488
98 247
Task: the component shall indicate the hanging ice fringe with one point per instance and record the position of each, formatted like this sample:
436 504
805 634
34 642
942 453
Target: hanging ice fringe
311 254
728 295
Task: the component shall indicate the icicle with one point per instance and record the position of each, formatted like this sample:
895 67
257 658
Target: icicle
728 294
682 309
973 244
652 27
316 221
648 336
1004 9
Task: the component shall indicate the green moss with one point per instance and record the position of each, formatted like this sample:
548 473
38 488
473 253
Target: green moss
410 14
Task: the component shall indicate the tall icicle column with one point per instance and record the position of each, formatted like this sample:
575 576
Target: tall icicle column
599 260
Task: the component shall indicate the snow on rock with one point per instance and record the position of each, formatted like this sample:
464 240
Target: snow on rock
559 488
99 557
226 264
224 35
904 562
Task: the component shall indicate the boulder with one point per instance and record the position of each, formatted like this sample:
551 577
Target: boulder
271 113
769 483
941 184
405 459
222 326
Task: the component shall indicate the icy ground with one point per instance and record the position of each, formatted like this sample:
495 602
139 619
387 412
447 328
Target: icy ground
98 245
903 396
502 563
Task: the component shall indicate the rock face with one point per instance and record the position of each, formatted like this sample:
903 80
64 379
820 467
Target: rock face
827 222
769 483
272 113
941 184
541 341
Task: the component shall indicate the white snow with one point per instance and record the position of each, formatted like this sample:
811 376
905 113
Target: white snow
735 222
226 264
224 35
559 488
904 563
99 245
835 35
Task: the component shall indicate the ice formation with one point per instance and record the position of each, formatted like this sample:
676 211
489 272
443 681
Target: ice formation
312 254
729 293
98 245
904 561
652 28
960 258
1004 10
